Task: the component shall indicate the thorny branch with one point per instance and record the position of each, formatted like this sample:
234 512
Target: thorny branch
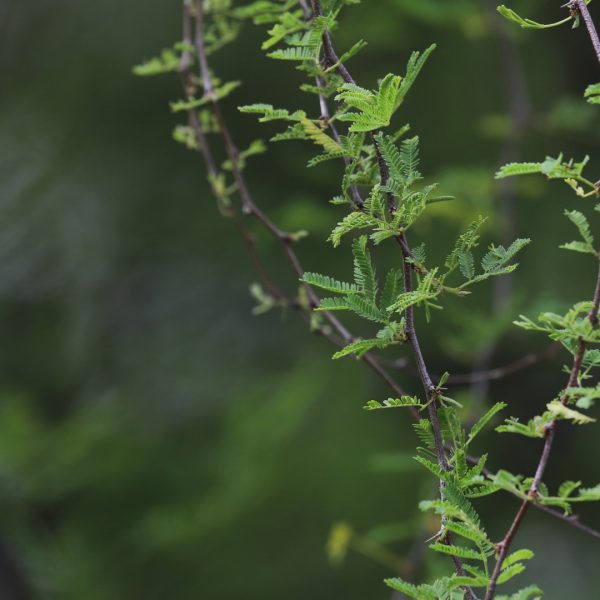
343 335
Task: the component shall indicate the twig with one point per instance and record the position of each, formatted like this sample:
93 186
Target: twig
501 372
504 545
581 7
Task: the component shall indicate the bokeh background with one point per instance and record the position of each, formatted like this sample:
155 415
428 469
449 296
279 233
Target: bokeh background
156 439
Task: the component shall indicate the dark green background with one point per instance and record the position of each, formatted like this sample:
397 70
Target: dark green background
156 440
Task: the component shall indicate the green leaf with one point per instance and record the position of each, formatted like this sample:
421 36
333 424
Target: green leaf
516 557
589 494
272 114
391 288
346 56
374 109
511 15
498 256
351 222
458 551
567 488
409 160
167 62
535 428
332 304
560 411
255 148
403 402
510 572
414 67
433 467
461 255
364 272
512 169
331 285
320 138
424 293
470 533
579 220
410 590
533 592
592 93
484 420
356 303
217 94
424 432
359 348
295 54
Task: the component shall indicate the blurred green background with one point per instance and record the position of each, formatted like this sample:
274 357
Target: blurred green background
156 439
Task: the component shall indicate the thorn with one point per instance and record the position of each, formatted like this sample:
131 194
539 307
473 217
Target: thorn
437 536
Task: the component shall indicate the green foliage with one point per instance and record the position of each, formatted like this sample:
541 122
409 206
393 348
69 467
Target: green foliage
531 592
521 486
384 194
219 93
592 93
484 420
168 61
374 109
511 15
567 329
403 402
580 221
570 172
329 284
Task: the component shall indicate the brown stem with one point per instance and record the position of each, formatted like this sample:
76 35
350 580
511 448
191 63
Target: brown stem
582 8
504 545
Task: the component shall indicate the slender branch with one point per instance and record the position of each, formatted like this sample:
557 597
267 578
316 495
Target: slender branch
572 520
504 545
331 58
522 363
581 7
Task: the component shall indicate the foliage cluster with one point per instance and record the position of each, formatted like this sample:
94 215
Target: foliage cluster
382 195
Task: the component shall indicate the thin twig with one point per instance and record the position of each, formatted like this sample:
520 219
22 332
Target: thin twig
525 362
582 8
